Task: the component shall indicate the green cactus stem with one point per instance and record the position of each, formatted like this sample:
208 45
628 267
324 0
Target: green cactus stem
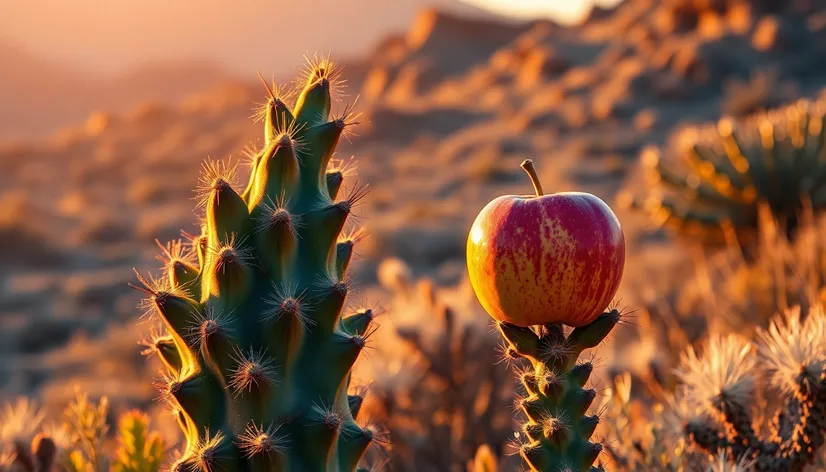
558 429
258 348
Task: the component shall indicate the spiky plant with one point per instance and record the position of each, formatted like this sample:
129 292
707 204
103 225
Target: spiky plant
558 429
24 446
725 383
139 448
258 353
712 181
86 422
722 463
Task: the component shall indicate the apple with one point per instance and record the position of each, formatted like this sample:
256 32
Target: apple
555 258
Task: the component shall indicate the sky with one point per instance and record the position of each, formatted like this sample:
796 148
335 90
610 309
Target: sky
564 11
110 37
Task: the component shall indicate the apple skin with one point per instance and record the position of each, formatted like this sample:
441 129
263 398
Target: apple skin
555 258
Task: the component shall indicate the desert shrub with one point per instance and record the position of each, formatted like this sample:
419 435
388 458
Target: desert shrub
733 293
441 383
79 441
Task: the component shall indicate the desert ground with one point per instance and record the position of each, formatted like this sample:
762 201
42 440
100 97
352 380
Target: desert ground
446 112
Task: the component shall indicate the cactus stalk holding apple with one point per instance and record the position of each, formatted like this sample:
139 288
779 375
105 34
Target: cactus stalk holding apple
537 263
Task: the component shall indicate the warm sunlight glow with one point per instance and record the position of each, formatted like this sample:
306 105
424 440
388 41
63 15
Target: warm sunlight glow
565 11
476 234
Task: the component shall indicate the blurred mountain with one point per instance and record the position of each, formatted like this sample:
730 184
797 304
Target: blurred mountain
37 96
52 73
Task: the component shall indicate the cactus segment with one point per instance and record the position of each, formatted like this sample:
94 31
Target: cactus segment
257 349
558 431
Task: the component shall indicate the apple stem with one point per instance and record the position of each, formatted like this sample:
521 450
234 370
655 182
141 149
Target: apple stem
527 165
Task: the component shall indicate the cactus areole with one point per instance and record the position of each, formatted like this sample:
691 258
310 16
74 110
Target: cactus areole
555 258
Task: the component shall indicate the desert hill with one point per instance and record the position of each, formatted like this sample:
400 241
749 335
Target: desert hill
38 96
449 110
57 74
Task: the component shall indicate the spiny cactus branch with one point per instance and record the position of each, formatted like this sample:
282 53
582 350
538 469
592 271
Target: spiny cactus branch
258 350
558 429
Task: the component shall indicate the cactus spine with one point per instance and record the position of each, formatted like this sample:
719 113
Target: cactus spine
257 349
558 429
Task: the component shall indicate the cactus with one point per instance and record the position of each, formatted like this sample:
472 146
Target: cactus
558 430
714 180
723 384
258 353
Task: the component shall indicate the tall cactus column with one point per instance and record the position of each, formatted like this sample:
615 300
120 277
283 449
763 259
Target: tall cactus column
539 263
258 351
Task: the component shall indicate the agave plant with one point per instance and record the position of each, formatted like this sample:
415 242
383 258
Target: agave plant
713 180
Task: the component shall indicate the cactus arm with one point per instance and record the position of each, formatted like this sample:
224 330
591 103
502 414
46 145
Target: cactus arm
558 429
264 353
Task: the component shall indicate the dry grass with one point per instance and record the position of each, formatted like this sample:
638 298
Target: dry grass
441 388
80 440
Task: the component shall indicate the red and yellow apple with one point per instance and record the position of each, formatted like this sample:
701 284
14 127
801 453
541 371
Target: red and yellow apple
555 258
